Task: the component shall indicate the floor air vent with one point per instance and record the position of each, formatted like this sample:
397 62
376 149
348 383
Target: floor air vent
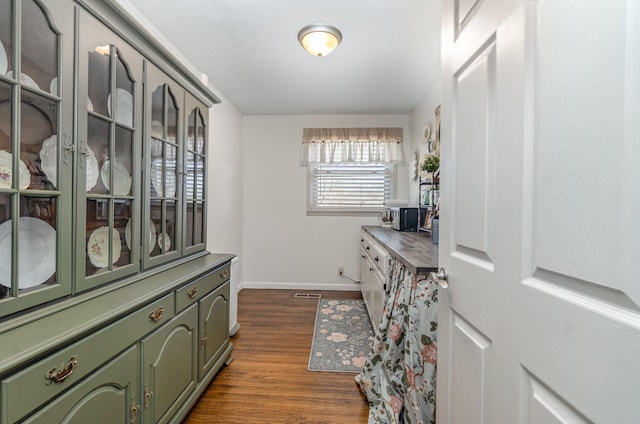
307 295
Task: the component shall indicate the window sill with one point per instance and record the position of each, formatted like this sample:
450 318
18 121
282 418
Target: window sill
342 212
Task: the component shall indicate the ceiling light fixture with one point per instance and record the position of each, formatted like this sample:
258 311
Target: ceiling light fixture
319 39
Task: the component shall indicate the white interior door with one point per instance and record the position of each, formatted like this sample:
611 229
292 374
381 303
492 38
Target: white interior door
540 212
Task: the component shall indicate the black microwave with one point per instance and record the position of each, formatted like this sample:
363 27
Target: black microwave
404 219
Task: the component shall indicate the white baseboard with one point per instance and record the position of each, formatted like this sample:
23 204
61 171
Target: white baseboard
233 330
298 286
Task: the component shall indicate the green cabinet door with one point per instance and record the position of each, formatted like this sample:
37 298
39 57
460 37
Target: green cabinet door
214 328
195 176
169 361
163 145
109 120
110 396
36 143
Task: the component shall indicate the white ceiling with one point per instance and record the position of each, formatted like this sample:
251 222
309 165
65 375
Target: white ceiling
388 59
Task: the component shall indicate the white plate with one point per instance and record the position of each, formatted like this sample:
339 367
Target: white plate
98 247
25 80
156 180
49 159
167 242
4 64
92 169
152 235
127 233
157 130
37 252
124 107
40 126
53 86
121 178
6 171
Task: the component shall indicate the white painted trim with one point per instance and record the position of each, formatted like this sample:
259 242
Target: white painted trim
299 286
233 330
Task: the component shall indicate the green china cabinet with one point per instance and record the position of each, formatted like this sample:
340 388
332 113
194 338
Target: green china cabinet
111 307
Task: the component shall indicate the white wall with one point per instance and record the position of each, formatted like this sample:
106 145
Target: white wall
282 246
423 113
224 217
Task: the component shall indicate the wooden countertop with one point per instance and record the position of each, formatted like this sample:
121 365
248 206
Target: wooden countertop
415 250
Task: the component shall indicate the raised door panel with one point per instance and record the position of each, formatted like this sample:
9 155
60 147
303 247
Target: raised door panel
214 328
170 366
108 154
107 397
580 280
163 147
35 131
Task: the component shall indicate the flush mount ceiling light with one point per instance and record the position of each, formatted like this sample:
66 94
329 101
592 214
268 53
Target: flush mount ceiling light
319 39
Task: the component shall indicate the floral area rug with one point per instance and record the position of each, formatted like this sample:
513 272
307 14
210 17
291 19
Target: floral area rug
342 337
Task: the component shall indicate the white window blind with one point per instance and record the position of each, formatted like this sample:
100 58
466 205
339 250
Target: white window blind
350 186
350 169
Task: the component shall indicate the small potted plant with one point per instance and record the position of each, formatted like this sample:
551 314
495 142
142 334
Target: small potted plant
430 164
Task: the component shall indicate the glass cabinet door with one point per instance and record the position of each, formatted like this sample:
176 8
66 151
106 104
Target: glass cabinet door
195 176
161 233
35 153
108 156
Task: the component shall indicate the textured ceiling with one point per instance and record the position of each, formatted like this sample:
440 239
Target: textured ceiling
388 58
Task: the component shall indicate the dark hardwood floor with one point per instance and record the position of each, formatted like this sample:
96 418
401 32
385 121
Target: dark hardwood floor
268 381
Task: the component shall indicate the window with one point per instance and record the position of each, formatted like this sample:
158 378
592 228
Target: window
350 169
349 187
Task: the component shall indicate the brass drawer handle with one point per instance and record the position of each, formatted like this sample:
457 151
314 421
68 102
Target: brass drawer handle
156 315
135 410
192 293
148 395
59 375
224 273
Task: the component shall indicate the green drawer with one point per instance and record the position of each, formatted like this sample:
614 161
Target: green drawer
26 390
110 395
197 289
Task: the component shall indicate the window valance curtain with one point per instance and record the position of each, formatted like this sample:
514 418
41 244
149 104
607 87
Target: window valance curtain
351 145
